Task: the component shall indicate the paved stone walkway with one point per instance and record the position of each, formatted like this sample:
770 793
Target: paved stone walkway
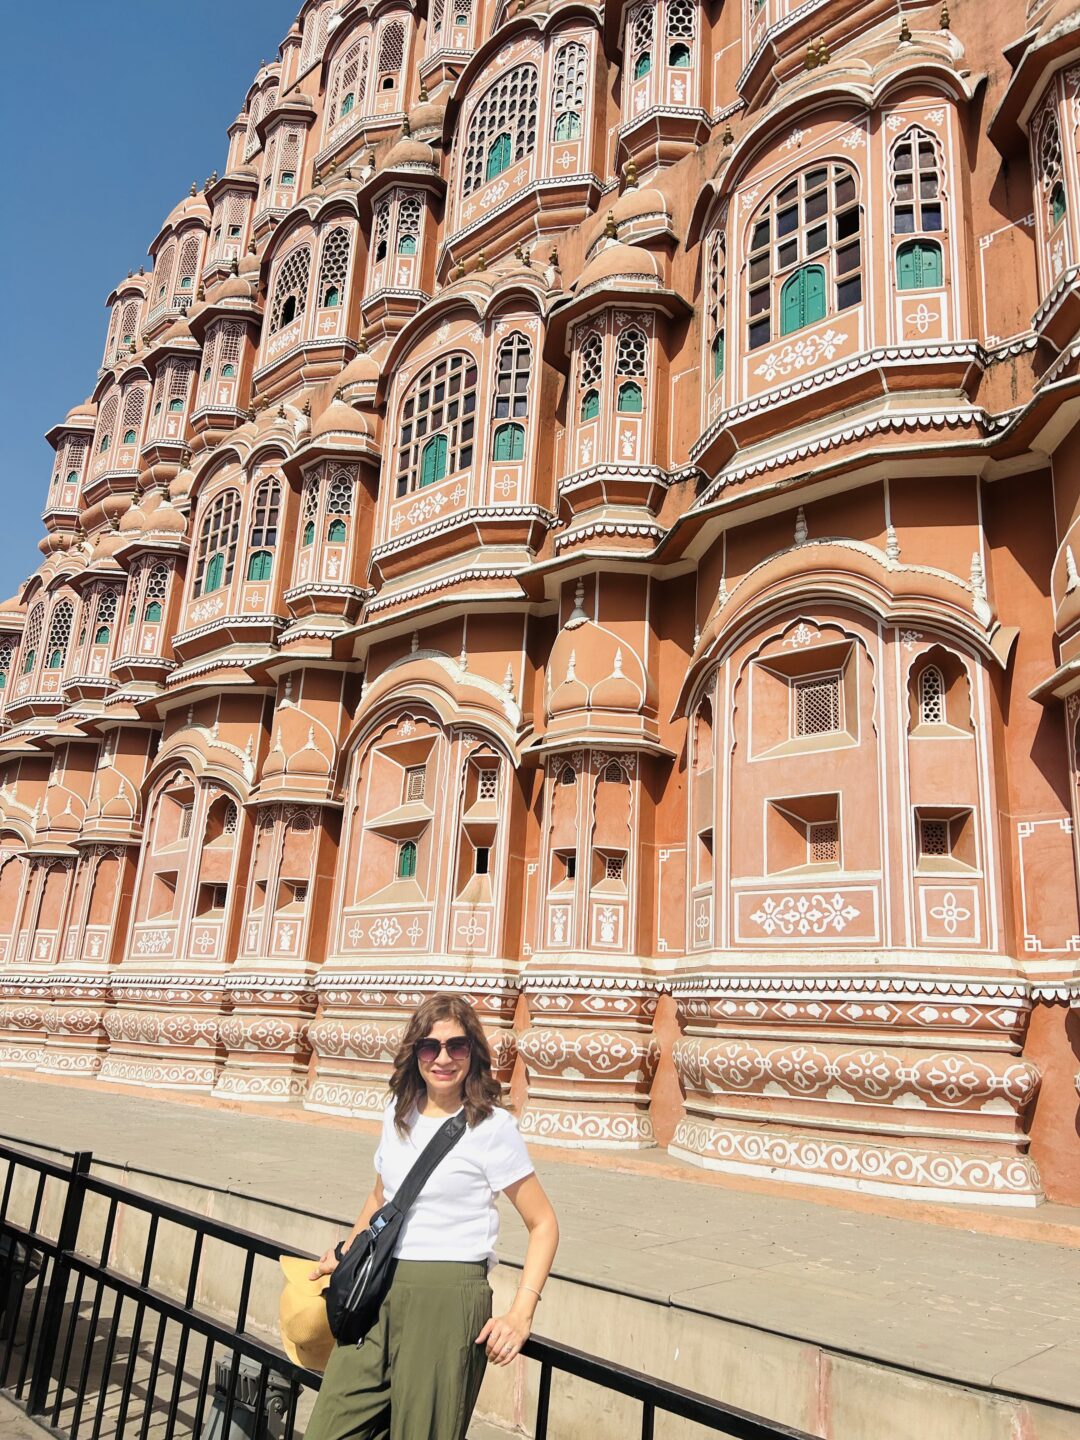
971 1295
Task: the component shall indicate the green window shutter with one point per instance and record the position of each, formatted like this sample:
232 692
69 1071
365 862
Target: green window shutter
499 157
260 565
642 65
129 437
407 245
56 659
72 478
102 635
214 572
152 613
590 405
629 402
802 300
510 442
28 663
568 126
406 867
1057 205
918 265
175 407
332 298
337 532
348 103
718 355
679 57
433 460
228 372
309 532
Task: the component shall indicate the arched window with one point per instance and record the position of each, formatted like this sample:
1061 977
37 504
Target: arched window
640 30
408 225
217 543
631 356
312 492
630 400
716 305
309 533
60 634
513 365
290 291
334 267
680 21
406 861
932 696
916 182
592 359
134 404
32 637
107 605
265 513
510 442
349 84
106 421
129 437
339 506
590 405
391 55
441 399
163 273
816 218
188 267
157 588
260 565
918 265
568 101
73 477
503 127
1049 164
381 230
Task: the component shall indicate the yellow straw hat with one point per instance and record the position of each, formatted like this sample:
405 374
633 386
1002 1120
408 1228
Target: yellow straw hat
305 1330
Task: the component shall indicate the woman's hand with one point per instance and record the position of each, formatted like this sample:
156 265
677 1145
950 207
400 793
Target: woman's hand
505 1335
327 1265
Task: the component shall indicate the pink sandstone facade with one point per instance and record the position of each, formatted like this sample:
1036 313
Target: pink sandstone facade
584 509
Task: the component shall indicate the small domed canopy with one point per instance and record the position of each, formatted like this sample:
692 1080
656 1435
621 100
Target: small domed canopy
622 262
234 287
410 154
362 369
192 207
635 206
426 115
339 419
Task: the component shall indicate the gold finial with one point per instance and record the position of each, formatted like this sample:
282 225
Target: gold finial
234 268
728 136
946 18
307 409
200 293
253 249
630 171
405 127
194 189
339 393
519 254
905 31
213 177
131 348
281 412
142 269
823 51
611 230
812 61
459 270
424 96
348 172
553 258
361 343
481 261
251 413
371 159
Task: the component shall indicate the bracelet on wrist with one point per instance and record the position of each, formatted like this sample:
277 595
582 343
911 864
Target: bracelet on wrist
532 1291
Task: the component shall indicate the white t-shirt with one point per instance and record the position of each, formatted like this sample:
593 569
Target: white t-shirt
454 1217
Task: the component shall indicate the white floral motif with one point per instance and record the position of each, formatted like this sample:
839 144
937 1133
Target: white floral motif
805 914
801 635
803 353
152 942
950 912
910 638
922 318
794 139
384 931
472 931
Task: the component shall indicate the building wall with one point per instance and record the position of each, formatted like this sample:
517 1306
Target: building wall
582 510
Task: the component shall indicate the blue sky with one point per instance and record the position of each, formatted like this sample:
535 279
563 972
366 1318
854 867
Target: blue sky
114 108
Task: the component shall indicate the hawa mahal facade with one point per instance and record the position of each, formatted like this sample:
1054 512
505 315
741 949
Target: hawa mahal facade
584 509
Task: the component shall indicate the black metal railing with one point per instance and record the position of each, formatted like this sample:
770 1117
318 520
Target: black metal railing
72 1348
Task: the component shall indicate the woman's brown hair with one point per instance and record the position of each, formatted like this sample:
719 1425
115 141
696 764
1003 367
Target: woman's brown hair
481 1091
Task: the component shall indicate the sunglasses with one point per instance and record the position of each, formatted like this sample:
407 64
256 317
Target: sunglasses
458 1047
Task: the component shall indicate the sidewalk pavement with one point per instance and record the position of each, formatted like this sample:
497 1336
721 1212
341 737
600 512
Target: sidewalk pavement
974 1296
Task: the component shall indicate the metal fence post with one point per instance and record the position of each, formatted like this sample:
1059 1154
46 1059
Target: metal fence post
57 1289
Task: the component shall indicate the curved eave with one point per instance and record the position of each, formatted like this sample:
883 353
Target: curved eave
418 179
84 425
1008 124
177 228
211 310
246 179
302 111
602 296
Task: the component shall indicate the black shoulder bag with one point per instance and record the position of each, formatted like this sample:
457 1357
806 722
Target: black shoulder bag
359 1284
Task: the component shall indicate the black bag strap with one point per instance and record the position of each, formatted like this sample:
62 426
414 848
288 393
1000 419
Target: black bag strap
433 1153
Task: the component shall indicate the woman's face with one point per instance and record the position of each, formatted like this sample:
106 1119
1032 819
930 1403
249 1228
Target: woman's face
445 1073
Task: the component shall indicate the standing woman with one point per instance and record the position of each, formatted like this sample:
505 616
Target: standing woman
418 1372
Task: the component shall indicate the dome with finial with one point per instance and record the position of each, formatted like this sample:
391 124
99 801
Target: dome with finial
638 211
362 370
426 116
614 260
192 207
410 154
339 419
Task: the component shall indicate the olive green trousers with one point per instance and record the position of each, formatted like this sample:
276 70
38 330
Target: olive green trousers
418 1372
